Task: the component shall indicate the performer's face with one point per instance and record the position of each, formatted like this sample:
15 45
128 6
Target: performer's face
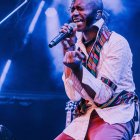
83 14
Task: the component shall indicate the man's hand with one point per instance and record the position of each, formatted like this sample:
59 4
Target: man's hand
73 60
69 42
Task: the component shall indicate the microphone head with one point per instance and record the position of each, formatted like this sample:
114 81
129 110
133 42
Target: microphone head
61 36
72 25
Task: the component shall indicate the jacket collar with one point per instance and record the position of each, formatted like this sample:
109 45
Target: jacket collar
80 44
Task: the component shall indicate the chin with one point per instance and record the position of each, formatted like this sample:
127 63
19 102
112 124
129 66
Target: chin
80 28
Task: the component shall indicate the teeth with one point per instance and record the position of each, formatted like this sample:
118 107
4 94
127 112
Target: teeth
77 20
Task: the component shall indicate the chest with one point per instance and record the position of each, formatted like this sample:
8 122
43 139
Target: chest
89 48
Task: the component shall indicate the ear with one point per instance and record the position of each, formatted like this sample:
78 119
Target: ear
98 14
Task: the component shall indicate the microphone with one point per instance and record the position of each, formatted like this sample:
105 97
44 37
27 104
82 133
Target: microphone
62 36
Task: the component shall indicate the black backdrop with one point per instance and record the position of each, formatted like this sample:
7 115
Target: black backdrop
33 117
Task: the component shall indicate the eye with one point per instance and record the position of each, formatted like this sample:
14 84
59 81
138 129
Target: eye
80 8
71 9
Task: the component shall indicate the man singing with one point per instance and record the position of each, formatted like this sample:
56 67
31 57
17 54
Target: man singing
97 73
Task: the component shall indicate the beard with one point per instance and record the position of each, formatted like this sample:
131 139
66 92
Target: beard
91 19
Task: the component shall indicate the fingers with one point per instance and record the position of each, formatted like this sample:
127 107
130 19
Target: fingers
69 42
73 59
79 55
65 44
73 56
65 28
69 57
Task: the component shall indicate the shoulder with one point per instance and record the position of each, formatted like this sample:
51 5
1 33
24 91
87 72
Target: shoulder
118 42
118 47
117 38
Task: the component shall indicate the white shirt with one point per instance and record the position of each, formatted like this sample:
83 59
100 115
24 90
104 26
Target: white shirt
115 64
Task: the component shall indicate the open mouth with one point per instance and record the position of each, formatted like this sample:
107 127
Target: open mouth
77 20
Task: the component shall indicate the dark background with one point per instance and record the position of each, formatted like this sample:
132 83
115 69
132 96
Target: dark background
32 99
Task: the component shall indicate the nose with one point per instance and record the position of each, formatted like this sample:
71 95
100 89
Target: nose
75 12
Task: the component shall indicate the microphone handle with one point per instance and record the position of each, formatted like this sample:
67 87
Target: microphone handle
57 39
60 37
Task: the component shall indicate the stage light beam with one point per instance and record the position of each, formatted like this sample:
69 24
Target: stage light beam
34 21
4 73
52 29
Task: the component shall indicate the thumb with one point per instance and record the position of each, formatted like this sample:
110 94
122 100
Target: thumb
80 55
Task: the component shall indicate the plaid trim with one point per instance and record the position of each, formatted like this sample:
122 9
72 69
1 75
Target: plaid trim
94 55
109 83
124 97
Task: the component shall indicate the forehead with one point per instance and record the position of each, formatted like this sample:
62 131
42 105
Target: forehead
80 2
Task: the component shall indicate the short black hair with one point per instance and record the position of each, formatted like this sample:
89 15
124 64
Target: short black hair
98 4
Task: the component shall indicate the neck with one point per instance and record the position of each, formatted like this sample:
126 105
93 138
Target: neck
90 34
